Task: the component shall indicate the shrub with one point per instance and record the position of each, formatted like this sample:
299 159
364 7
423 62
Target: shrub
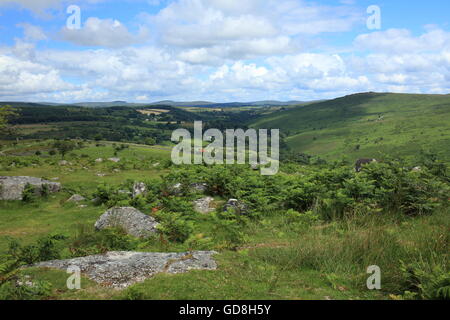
175 226
46 248
228 228
87 241
29 194
24 289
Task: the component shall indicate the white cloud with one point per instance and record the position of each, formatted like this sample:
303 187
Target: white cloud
40 6
402 40
32 33
225 50
21 77
234 29
35 5
104 33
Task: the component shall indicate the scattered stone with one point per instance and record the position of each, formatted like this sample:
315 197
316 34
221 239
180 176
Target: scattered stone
236 205
361 162
101 175
55 179
139 188
417 169
116 170
133 221
25 281
199 187
122 269
114 159
176 189
11 188
64 163
156 164
82 206
203 205
76 198
99 160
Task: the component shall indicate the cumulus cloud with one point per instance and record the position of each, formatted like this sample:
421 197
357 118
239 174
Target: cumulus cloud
225 50
232 29
34 5
104 33
40 6
32 33
22 77
402 40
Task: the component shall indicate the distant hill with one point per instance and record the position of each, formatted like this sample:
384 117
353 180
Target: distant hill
201 104
366 125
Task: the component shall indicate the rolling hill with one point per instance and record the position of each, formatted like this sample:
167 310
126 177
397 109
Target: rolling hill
366 125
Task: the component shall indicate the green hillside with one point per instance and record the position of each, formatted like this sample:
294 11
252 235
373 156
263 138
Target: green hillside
367 125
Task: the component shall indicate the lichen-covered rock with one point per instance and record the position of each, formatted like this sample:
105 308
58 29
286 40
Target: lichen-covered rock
199 187
122 269
131 220
237 206
176 189
11 188
139 188
76 198
203 205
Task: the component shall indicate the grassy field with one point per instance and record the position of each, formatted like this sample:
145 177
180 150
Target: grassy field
367 125
276 259
311 232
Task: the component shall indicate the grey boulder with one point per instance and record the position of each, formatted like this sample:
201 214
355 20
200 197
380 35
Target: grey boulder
203 205
11 188
236 206
139 188
76 198
134 222
199 187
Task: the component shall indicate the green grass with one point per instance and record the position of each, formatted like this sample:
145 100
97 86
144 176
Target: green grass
278 259
394 124
323 262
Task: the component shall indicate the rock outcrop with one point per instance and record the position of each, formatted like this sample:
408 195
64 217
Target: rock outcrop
122 269
76 198
11 188
131 220
139 188
199 187
203 205
237 206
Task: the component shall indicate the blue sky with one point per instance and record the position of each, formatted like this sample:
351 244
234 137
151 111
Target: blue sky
221 50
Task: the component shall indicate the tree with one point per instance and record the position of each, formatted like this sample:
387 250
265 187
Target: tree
150 141
64 147
6 113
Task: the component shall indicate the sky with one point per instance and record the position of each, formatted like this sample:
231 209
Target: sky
221 50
